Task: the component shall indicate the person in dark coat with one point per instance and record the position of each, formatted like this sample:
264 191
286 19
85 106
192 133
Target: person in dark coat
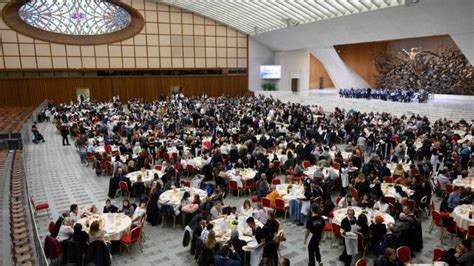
98 254
378 230
71 252
59 222
109 208
81 237
152 210
64 132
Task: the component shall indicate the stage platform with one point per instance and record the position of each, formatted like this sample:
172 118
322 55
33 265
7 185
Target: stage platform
453 107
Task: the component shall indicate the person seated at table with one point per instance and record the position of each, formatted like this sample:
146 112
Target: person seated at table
216 210
467 196
197 224
382 205
81 237
398 171
211 247
205 232
95 232
454 199
462 255
388 259
157 190
139 213
246 209
127 208
262 187
261 213
399 193
66 231
236 242
92 210
272 196
227 257
216 195
347 201
361 184
443 178
366 201
239 164
109 207
138 188
196 181
376 190
378 230
74 213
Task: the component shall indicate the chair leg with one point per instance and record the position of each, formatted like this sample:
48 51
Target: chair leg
128 249
431 227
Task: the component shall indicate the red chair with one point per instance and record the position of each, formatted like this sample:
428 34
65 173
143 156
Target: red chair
189 169
130 239
336 231
296 179
174 155
42 206
276 181
124 188
166 156
327 227
404 254
280 206
436 220
248 185
338 199
438 253
451 228
186 184
90 156
388 179
355 194
306 164
233 186
266 202
391 200
51 227
361 262
411 204
449 189
108 167
470 232
254 198
336 165
277 165
178 166
158 168
115 153
361 243
277 226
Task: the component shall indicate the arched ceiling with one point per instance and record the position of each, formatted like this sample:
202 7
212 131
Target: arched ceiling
257 16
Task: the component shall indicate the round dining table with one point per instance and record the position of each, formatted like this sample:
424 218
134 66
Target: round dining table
101 149
241 175
173 196
147 175
460 215
223 227
115 225
290 192
388 189
464 182
341 213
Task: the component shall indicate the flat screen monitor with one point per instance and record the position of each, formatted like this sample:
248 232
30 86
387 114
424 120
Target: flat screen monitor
270 72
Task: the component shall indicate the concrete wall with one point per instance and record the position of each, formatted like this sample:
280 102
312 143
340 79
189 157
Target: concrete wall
258 55
294 64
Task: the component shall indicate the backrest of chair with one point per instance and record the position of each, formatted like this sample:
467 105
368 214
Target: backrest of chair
470 231
318 200
404 254
158 168
336 229
449 188
336 166
412 204
249 183
391 200
361 262
186 184
276 181
266 202
436 217
233 184
189 168
306 164
51 227
338 199
135 234
276 164
355 193
279 204
388 179
123 186
438 253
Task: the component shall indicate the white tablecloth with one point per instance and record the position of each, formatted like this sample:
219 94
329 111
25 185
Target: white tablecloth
296 192
116 225
340 214
147 175
240 175
460 215
325 171
388 190
223 227
101 149
464 182
173 197
197 162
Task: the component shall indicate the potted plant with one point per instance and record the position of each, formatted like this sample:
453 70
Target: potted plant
269 86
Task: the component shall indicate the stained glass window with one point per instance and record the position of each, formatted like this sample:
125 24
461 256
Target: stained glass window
75 17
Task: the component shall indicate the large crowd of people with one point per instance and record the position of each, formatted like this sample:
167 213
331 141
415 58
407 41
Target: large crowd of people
355 156
394 95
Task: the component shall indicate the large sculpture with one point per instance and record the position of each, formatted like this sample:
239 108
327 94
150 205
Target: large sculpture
446 72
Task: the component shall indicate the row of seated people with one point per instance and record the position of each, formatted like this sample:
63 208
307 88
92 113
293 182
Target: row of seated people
396 95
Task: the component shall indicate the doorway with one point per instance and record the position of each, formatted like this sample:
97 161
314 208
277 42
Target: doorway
294 85
83 94
321 83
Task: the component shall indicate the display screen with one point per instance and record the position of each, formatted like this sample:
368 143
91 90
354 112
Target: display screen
270 72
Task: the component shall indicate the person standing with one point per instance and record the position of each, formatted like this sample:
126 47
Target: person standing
349 230
314 226
64 133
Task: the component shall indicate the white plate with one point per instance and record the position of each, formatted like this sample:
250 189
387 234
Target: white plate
246 238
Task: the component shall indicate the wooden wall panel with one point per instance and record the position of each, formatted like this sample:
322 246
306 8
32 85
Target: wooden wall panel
360 57
32 91
316 71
